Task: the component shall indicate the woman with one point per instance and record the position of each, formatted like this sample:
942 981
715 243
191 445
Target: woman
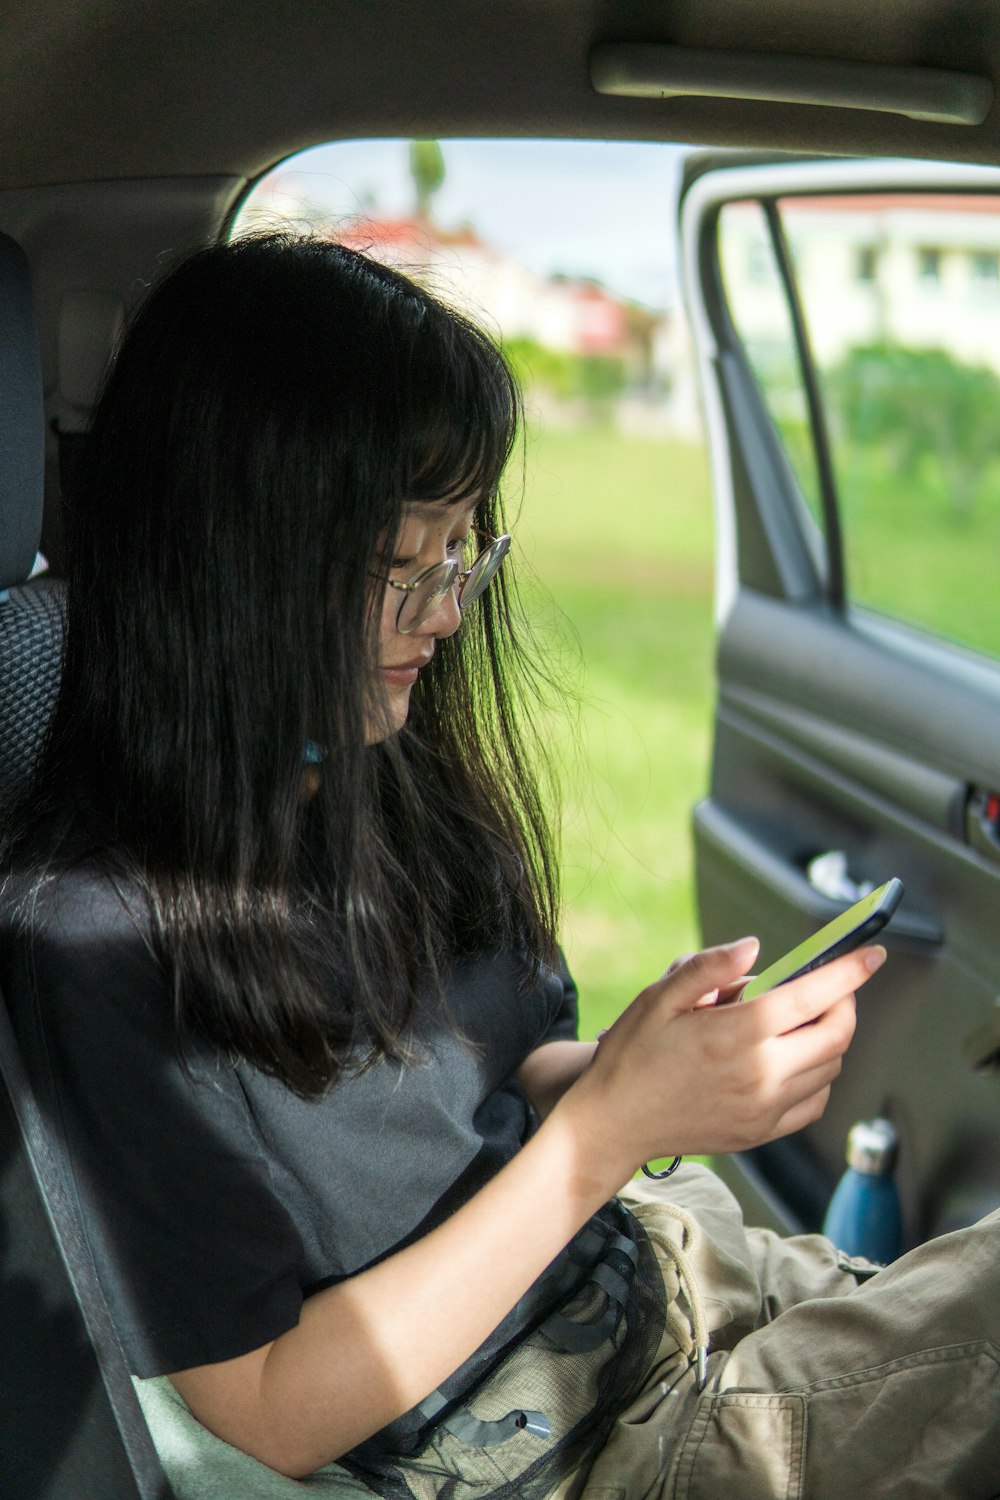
282 949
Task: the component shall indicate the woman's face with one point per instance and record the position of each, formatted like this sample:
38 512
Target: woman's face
431 532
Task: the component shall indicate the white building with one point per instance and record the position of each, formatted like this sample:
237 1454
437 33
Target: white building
908 268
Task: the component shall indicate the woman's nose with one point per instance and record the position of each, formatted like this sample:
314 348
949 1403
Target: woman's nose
445 618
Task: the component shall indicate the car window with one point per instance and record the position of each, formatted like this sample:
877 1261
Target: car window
900 299
759 304
566 251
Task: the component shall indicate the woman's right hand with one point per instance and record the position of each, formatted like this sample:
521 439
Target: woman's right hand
677 1074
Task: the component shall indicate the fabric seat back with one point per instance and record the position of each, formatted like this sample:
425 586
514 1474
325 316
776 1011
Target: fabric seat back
70 1423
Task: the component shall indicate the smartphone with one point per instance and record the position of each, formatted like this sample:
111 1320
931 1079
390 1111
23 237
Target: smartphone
852 928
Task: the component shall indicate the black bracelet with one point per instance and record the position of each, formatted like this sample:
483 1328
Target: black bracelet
656 1176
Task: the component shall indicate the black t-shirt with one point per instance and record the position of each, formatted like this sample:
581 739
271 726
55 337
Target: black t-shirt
215 1198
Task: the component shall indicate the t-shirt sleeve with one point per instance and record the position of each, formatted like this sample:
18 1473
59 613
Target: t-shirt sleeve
564 1026
199 1259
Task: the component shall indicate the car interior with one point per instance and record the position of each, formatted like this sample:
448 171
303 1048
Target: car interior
131 134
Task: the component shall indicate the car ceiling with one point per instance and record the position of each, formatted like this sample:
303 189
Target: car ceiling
111 89
129 129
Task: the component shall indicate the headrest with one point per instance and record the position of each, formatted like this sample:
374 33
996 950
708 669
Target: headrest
22 420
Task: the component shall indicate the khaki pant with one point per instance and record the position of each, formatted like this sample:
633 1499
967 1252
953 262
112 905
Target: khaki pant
825 1381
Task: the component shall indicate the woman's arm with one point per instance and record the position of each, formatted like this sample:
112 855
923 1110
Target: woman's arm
370 1348
667 1078
551 1069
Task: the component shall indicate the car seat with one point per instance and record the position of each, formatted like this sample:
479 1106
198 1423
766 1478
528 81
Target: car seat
70 1423
31 613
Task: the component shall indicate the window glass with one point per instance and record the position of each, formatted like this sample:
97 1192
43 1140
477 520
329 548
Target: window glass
760 311
566 251
900 297
985 267
867 263
928 265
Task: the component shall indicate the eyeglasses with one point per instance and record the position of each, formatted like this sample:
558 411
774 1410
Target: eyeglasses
424 592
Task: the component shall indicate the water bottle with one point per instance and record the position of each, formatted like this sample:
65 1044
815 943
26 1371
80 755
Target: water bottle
864 1216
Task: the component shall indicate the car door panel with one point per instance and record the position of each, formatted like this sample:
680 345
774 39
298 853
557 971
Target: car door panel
840 730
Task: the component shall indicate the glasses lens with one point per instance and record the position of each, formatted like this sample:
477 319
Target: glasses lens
422 600
484 569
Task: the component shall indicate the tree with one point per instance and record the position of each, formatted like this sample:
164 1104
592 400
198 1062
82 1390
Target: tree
427 171
920 404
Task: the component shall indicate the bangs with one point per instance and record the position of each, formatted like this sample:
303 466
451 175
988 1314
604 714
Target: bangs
454 465
462 417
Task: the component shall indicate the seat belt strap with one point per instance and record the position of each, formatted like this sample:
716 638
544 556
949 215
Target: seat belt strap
51 1175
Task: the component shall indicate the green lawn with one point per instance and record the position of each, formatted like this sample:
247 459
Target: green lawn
915 553
618 531
921 536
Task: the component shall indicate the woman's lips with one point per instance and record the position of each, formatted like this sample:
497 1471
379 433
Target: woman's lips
400 676
403 674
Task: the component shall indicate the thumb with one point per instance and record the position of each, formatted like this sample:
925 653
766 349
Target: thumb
697 979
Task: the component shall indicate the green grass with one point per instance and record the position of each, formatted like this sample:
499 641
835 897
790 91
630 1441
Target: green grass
915 553
618 531
922 538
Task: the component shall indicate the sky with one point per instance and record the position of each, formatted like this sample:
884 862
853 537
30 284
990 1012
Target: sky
598 209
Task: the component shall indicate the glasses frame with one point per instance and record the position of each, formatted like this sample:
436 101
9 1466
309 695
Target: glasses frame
451 576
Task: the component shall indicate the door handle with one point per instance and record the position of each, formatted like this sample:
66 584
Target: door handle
982 821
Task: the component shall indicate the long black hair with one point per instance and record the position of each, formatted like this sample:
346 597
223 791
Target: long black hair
273 405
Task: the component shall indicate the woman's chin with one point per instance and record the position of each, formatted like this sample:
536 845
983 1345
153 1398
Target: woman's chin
388 717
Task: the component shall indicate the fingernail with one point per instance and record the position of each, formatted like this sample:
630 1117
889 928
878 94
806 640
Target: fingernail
751 944
875 958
